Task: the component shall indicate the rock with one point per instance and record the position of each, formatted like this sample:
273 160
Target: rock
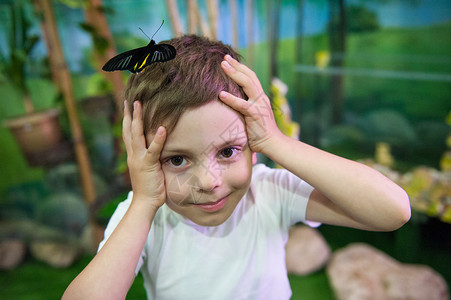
91 237
306 250
415 282
362 272
12 253
56 254
64 211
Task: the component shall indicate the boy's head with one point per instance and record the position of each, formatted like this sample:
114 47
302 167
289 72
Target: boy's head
193 78
206 161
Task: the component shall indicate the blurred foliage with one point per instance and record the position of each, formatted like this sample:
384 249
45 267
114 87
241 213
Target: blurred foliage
75 3
429 191
100 43
21 43
445 162
65 178
20 201
97 85
360 19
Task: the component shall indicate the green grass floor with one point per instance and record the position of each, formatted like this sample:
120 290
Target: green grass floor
35 281
427 243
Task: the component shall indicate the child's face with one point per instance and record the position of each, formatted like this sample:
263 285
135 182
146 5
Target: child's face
207 164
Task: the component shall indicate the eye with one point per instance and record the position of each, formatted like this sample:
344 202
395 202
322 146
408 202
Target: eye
228 152
177 161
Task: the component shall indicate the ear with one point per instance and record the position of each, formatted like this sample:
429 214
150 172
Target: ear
254 158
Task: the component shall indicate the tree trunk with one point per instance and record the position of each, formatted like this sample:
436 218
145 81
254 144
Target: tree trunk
298 46
337 40
273 36
65 86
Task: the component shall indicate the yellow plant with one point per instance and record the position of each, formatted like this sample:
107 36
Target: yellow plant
322 59
383 154
282 111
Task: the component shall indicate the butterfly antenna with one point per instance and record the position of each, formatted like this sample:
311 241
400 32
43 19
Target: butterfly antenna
144 33
162 22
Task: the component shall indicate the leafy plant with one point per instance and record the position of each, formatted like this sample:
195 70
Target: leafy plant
20 45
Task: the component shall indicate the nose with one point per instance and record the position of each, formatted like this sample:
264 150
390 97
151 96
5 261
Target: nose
209 176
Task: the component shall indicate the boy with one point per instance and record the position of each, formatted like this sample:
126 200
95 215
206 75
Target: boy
202 221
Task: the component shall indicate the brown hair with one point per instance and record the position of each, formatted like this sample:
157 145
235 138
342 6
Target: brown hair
194 77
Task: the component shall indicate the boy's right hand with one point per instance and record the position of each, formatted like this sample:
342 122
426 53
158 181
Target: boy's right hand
146 174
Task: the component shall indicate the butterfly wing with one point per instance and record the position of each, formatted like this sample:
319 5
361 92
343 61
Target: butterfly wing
155 53
162 53
136 60
126 60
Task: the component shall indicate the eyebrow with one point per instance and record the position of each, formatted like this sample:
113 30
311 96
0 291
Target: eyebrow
241 140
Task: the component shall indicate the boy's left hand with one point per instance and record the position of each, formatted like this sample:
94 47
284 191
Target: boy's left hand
260 123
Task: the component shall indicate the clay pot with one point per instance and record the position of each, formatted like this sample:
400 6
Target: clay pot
40 137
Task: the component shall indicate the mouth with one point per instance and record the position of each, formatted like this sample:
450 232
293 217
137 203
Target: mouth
212 206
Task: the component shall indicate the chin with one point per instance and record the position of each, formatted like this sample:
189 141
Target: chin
210 221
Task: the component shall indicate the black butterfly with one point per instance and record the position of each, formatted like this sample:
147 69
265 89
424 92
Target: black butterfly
137 59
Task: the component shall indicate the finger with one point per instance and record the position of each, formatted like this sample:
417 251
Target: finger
126 128
157 144
138 141
251 86
241 67
254 109
244 69
237 103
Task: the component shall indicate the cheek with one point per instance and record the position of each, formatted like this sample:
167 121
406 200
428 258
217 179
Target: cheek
240 176
178 187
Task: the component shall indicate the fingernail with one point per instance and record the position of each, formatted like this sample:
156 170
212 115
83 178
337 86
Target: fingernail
226 64
135 104
222 94
228 57
160 130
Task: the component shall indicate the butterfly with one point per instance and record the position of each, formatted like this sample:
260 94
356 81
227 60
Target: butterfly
137 59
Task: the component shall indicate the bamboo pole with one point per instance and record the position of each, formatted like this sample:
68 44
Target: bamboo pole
174 16
192 18
65 85
234 21
212 6
250 33
204 27
96 18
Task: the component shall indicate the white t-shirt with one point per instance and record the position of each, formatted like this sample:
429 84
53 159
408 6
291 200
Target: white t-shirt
243 258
